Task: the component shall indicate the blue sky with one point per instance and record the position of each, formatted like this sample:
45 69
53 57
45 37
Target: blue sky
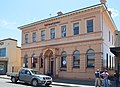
15 13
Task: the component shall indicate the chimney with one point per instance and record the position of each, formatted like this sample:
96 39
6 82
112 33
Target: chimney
110 13
103 1
59 13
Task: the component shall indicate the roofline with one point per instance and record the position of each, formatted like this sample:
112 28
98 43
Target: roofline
27 25
8 39
110 17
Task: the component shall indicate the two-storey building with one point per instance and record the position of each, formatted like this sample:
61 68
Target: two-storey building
10 56
71 45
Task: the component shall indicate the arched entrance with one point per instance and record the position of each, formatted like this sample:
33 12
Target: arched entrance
49 62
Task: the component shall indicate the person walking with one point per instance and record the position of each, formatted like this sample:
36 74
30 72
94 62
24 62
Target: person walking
116 76
97 78
105 75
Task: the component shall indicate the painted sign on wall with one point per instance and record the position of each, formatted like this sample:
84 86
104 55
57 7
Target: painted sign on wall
52 23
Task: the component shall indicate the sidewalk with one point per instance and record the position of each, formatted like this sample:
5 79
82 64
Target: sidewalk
4 77
80 83
77 82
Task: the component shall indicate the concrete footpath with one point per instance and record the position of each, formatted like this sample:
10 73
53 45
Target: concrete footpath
68 82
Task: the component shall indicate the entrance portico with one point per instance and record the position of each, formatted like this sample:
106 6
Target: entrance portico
50 61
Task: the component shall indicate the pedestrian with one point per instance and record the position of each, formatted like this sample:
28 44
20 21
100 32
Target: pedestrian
116 76
97 78
105 75
101 78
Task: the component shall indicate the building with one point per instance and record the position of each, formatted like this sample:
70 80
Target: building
10 56
71 45
116 51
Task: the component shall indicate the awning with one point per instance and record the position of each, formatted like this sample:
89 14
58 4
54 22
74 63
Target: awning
115 51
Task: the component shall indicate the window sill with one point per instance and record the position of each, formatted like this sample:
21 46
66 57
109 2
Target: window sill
63 69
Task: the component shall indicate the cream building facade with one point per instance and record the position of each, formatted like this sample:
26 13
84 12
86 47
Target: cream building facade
71 45
10 56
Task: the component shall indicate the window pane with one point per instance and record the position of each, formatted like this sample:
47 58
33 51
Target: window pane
34 37
41 60
3 52
42 35
90 63
76 28
63 31
76 59
26 38
90 58
26 61
34 60
63 60
52 31
90 25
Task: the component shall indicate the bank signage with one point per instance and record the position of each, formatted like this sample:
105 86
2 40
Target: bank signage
52 23
1 43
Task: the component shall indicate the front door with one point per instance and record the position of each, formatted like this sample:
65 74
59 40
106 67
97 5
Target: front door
52 64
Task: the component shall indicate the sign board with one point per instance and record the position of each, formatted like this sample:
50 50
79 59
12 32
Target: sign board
52 23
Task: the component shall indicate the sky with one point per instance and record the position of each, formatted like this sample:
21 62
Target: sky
16 13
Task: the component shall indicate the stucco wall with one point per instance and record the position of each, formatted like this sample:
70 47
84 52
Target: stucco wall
13 54
96 40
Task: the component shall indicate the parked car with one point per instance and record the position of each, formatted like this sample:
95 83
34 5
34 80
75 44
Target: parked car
30 76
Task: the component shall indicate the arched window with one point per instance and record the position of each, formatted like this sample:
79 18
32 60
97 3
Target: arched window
41 60
34 60
90 58
63 59
76 58
25 61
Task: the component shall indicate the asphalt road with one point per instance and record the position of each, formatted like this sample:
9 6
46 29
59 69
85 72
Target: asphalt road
8 83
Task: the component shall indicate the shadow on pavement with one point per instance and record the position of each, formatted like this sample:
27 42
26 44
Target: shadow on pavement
26 84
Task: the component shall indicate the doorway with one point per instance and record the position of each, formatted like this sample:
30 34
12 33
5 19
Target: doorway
52 64
49 62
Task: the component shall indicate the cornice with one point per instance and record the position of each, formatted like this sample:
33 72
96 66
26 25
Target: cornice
61 16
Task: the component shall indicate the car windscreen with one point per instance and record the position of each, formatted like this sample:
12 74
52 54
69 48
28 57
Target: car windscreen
36 72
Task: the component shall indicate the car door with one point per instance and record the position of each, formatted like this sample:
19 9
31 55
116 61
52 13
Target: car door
27 76
21 75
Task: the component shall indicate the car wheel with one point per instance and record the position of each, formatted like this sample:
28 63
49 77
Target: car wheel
13 79
34 82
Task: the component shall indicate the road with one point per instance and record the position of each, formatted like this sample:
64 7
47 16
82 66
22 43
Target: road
8 83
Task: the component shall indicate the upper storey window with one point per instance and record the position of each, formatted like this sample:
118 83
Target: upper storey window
42 35
26 38
63 31
52 33
2 52
89 25
76 28
34 36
